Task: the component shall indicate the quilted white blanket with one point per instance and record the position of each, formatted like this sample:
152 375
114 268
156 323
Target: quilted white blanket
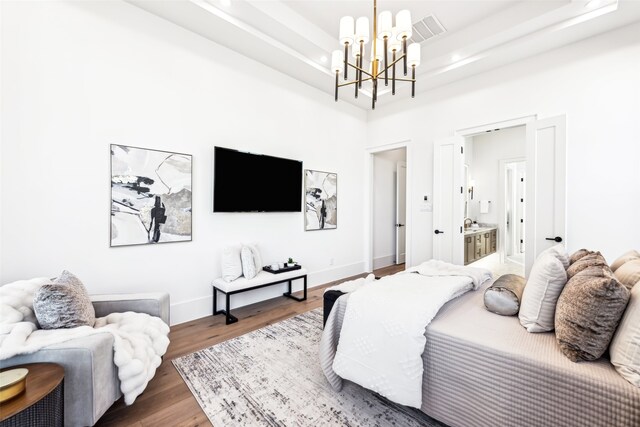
140 340
382 337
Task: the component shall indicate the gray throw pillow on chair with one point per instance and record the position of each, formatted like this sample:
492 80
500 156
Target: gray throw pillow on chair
64 303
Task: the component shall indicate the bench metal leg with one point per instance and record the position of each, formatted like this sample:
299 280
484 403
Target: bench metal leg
289 295
229 318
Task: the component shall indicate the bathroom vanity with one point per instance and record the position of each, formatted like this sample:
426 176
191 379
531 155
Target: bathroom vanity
479 242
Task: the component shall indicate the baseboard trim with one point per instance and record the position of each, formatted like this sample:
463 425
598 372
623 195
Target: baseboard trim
384 261
196 308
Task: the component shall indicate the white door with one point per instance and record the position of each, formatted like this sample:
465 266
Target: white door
545 203
448 200
401 211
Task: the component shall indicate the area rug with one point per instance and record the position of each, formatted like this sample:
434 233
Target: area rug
272 377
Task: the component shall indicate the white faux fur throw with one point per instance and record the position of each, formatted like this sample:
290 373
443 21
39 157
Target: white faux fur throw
140 340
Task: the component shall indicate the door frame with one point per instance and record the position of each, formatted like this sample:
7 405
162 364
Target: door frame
369 158
469 132
502 225
399 165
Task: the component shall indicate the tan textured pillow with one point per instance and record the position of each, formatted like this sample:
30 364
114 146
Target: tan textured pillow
629 273
625 258
594 259
64 303
625 346
504 295
588 313
540 295
578 254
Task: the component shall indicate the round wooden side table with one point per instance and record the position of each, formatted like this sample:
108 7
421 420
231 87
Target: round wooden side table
41 403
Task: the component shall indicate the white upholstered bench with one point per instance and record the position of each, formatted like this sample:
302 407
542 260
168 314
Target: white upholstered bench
262 279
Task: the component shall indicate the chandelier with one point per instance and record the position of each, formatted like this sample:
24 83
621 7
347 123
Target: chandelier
394 40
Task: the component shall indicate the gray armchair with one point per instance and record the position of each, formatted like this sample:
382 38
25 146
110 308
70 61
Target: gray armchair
91 383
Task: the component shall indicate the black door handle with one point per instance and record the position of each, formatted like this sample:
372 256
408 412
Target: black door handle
439 232
557 238
399 225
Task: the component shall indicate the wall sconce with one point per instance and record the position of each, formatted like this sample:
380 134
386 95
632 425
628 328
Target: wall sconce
472 183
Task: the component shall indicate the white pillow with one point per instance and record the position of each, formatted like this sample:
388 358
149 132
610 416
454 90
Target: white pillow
558 251
625 346
231 263
544 285
248 263
256 255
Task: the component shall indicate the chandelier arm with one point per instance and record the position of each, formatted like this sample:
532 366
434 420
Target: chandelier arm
357 75
404 53
393 74
386 63
346 60
359 69
354 82
413 83
406 80
394 62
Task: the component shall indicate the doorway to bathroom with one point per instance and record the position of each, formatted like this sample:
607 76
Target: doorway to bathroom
495 169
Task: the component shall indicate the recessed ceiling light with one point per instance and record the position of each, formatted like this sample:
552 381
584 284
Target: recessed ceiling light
323 58
225 3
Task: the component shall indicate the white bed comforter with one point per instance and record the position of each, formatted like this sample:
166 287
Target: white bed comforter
140 340
382 336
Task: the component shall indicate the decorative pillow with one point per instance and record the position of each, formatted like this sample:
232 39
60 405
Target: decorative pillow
504 295
624 258
256 255
594 259
231 263
625 346
578 254
588 313
559 252
538 307
248 263
63 303
629 273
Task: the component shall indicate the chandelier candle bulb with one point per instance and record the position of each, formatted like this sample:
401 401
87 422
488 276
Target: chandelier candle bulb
336 61
394 42
413 55
385 25
403 24
362 30
347 32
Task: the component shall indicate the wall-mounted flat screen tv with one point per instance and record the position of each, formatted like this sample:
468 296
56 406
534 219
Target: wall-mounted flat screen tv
247 182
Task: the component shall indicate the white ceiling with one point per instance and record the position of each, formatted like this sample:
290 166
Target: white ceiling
292 36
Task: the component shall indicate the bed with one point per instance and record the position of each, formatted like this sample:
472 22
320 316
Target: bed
482 369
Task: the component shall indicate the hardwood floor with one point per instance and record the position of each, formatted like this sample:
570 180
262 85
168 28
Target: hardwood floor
167 400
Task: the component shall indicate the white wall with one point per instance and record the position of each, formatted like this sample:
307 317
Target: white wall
384 205
488 149
79 76
594 82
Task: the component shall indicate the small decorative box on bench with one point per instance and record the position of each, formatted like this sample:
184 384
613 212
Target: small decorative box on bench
262 279
281 270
